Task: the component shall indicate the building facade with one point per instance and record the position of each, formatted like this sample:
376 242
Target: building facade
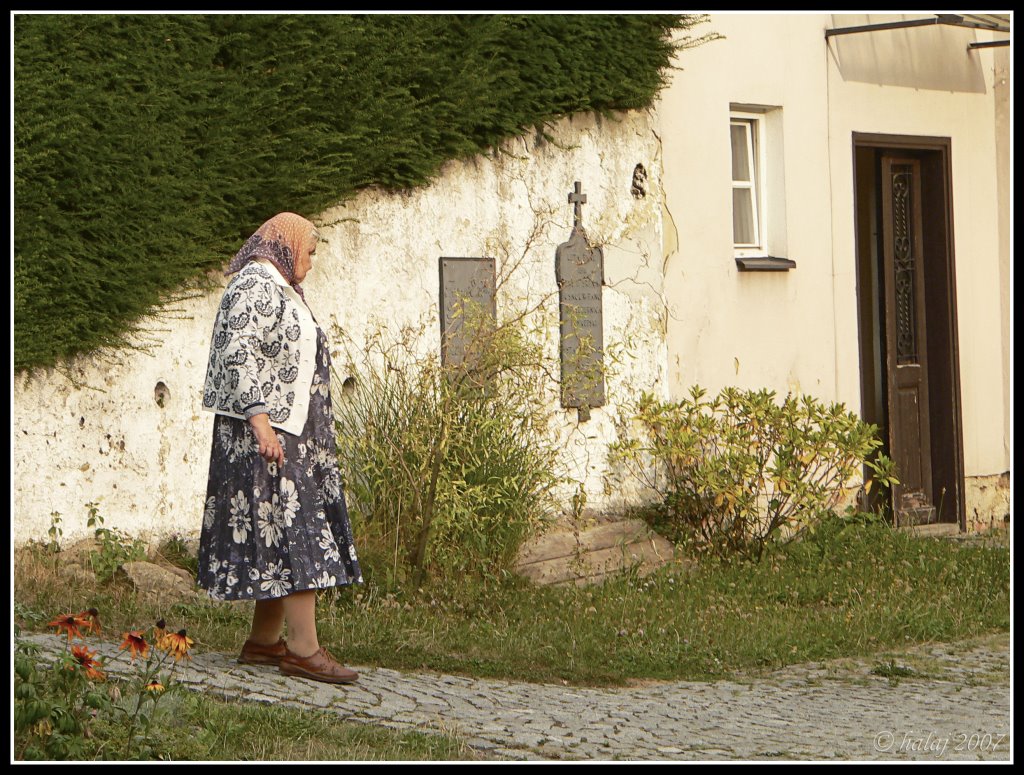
876 163
808 213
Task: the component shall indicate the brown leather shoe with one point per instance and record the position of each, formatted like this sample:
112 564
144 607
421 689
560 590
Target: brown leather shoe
257 654
320 666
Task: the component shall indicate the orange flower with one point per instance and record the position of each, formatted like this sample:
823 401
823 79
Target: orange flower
70 623
136 643
90 620
87 660
159 633
177 644
154 686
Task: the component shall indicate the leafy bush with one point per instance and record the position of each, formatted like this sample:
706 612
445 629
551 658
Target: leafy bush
740 471
450 467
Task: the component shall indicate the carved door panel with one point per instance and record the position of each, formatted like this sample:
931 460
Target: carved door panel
905 339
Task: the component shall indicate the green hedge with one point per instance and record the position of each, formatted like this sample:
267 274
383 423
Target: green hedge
147 147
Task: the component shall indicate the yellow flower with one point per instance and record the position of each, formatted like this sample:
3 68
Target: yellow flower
159 633
177 644
154 686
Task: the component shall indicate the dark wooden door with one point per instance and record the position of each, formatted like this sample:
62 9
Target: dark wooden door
906 339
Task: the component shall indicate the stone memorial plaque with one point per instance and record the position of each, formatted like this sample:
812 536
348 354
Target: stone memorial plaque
579 270
462 280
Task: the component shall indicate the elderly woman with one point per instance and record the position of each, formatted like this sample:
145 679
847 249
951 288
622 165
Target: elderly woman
275 527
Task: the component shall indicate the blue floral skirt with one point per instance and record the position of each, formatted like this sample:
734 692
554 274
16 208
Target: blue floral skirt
270 530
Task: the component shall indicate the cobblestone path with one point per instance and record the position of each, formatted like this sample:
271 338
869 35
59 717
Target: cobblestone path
954 705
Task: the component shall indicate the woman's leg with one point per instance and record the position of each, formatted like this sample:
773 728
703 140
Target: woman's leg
300 613
267 621
305 659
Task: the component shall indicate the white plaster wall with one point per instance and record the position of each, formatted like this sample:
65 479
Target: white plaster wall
1004 164
98 434
672 286
751 330
798 330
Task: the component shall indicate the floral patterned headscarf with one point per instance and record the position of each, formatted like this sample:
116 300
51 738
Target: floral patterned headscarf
281 240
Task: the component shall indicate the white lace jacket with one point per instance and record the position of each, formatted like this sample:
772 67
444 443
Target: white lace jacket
263 350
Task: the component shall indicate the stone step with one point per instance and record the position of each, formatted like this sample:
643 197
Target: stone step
591 556
934 530
563 542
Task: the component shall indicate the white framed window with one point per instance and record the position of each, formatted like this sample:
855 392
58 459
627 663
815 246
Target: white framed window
749 206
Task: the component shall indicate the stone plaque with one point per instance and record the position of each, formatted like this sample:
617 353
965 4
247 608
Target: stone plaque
463 280
579 270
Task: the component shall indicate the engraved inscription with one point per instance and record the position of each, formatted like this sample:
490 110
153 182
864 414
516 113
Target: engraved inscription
579 270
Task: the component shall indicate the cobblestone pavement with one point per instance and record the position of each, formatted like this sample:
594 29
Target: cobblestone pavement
937 702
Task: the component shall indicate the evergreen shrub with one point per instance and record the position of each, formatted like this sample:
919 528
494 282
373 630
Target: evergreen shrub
148 147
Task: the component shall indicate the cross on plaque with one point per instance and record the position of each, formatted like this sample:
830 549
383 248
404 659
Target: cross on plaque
578 199
579 272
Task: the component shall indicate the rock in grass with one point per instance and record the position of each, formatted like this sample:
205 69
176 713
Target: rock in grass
79 552
157 583
78 575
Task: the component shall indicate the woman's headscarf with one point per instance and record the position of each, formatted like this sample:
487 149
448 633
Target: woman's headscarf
281 240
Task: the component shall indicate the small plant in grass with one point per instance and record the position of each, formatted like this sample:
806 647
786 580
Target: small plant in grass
57 707
177 552
739 472
115 547
55 532
892 671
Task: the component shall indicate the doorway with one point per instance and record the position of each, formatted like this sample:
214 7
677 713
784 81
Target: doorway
906 293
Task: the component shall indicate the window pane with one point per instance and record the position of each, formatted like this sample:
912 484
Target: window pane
740 167
743 230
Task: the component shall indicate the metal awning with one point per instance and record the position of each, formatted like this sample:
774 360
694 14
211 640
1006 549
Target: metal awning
991 22
997 22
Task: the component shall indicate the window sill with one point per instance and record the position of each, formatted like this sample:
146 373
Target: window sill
764 264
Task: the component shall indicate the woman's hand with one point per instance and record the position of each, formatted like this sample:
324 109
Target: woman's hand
270 448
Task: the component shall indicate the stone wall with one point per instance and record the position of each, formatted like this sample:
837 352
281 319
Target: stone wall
988 502
125 429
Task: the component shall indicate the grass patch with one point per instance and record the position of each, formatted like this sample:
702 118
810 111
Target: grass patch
175 551
851 592
199 727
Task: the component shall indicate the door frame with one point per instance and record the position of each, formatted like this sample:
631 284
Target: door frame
938 150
